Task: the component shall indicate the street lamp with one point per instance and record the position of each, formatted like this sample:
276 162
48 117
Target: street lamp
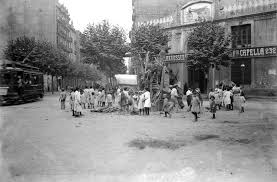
242 66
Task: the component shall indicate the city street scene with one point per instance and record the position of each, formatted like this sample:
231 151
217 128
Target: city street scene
138 91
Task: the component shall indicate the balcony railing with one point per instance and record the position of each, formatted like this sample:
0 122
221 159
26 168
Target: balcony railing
65 48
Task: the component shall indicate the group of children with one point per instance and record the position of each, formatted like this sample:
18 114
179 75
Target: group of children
228 97
134 101
87 98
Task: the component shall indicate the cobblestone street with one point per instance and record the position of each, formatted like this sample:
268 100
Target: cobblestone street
41 143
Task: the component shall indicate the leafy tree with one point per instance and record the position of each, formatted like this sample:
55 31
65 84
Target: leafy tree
49 59
148 44
148 39
209 46
105 46
41 54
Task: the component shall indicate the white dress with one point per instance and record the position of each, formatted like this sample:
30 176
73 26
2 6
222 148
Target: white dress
140 101
227 98
147 102
77 101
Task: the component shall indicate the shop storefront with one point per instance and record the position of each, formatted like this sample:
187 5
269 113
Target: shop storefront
260 67
185 76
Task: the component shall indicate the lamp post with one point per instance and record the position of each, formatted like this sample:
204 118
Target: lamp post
242 66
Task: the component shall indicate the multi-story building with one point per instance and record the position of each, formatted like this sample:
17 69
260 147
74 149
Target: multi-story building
33 18
67 37
252 23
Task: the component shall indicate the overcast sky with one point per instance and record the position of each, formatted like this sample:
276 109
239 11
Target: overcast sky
83 12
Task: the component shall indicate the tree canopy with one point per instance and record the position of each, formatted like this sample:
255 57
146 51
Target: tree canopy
209 46
148 38
37 53
105 46
48 58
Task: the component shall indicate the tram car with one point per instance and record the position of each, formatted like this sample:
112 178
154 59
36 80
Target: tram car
19 82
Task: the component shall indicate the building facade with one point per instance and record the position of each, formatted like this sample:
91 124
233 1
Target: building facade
68 39
33 18
253 25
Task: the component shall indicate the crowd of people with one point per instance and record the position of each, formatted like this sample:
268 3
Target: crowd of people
89 98
229 97
139 102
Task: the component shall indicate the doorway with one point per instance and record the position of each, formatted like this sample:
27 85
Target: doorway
237 72
197 79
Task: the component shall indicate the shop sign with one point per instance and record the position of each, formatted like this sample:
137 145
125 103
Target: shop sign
175 58
255 52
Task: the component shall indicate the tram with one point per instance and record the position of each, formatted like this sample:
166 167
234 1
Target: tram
19 82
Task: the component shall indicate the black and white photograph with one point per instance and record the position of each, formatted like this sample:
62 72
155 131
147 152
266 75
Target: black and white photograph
138 90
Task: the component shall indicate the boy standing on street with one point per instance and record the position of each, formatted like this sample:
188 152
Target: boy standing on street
62 99
213 106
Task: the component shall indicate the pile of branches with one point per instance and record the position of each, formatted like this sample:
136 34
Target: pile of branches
105 109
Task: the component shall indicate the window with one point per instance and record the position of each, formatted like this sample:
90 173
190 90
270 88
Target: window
35 79
241 36
5 78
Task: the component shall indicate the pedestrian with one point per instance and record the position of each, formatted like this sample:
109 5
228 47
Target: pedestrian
189 97
135 102
242 102
195 105
211 93
140 103
77 103
103 98
227 99
109 99
99 98
62 99
217 99
20 83
127 98
168 105
147 102
72 100
231 98
83 99
213 106
91 97
198 93
174 95
236 96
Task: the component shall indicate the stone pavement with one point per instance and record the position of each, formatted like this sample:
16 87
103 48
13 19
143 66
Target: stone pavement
42 143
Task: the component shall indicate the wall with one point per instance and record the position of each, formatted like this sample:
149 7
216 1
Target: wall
145 10
34 18
265 69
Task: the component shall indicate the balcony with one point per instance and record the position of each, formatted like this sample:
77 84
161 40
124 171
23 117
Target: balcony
69 39
65 48
65 36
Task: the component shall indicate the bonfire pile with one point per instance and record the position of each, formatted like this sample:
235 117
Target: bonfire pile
105 109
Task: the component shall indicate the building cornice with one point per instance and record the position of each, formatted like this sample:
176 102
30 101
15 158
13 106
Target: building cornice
263 15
